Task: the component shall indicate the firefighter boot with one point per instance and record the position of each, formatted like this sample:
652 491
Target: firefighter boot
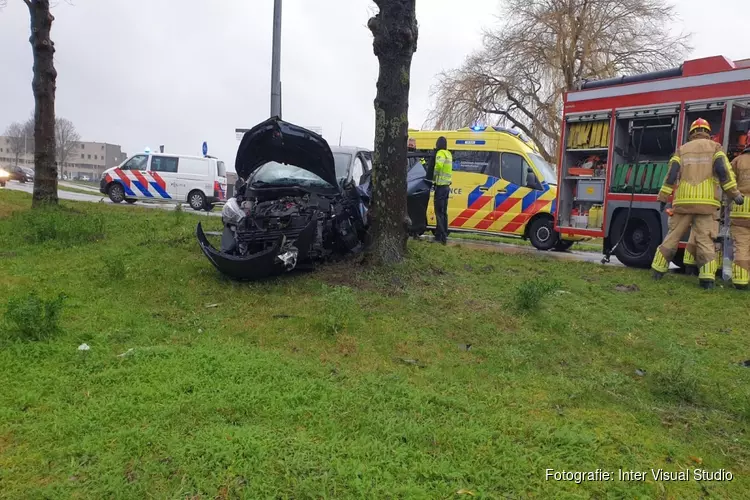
707 284
656 275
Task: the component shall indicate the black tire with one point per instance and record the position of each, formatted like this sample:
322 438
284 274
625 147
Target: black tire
542 233
563 245
130 201
116 193
2 184
210 207
197 200
641 239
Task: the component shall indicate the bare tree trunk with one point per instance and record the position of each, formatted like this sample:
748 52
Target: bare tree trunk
395 32
43 84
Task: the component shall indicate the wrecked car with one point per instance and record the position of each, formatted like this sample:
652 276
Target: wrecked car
294 205
291 207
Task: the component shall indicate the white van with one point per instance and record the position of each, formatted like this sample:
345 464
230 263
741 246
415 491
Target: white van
200 181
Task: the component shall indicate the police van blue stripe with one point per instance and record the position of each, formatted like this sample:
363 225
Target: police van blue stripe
143 189
159 190
128 191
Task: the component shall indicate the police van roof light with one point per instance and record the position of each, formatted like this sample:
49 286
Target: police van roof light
478 128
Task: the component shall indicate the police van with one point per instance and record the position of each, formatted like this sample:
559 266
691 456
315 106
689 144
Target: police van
199 181
501 184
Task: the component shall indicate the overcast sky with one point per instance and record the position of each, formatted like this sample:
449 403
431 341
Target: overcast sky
148 72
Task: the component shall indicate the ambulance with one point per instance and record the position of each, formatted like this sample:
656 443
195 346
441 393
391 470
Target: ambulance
501 185
199 181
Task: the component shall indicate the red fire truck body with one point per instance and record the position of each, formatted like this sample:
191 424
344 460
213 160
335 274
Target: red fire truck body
617 138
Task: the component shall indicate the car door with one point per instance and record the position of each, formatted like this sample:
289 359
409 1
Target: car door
134 177
472 189
164 177
514 200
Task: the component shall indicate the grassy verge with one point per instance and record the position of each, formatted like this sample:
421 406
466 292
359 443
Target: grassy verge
459 370
79 191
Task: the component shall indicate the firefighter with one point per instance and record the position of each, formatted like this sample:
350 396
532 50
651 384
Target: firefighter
740 222
442 176
697 166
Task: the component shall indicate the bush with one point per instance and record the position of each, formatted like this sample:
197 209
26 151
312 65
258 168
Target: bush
674 381
62 226
114 268
338 310
530 293
33 318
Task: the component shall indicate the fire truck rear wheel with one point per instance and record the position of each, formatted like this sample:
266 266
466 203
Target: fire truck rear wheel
641 239
542 233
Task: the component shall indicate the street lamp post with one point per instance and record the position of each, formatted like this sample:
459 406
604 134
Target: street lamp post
276 61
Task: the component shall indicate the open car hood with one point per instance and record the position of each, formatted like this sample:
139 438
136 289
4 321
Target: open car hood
282 142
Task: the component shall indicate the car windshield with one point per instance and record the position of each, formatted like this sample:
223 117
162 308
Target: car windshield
281 174
342 162
544 168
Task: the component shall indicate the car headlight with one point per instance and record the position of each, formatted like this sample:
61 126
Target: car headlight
232 213
3 173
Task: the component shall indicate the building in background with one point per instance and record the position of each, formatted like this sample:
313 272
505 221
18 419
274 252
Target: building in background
86 159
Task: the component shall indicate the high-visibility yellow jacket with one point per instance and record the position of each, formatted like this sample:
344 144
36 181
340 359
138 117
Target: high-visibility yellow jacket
740 214
701 169
443 168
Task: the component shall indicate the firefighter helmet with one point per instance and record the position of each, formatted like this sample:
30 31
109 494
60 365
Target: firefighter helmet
698 124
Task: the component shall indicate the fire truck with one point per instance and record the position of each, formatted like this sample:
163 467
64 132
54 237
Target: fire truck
617 138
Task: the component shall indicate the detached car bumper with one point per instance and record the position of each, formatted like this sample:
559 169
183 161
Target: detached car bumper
272 261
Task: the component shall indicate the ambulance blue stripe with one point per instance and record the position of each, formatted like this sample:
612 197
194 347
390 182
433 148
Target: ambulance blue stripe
128 191
501 197
553 207
159 190
477 193
528 200
143 189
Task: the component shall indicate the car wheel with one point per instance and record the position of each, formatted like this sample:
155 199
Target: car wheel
641 239
130 201
197 200
116 193
210 207
563 245
542 234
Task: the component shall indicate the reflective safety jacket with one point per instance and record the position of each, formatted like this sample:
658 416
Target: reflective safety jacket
443 168
740 214
701 170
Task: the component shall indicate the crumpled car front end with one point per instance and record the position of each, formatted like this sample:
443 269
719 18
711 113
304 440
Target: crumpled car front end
289 211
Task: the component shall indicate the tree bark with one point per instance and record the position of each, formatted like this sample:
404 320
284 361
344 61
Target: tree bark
395 33
43 85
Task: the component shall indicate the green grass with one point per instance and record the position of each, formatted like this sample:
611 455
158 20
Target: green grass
411 382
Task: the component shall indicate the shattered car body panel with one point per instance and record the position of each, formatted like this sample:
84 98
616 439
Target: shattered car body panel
289 209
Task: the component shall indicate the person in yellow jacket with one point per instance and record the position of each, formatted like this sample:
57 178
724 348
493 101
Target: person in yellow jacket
700 169
441 179
739 219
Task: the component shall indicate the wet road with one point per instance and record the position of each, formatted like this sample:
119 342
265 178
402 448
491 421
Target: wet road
494 246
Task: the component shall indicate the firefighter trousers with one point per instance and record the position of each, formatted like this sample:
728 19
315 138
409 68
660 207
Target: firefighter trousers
741 264
705 231
689 257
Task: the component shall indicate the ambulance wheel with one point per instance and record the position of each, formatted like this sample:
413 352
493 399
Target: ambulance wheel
197 200
641 238
116 193
130 201
542 233
563 245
